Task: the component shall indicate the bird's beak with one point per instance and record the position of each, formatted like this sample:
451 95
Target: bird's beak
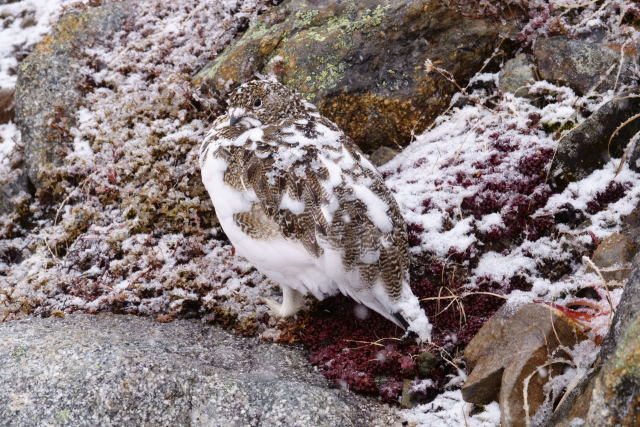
235 115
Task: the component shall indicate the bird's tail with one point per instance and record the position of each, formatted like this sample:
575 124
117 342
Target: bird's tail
413 318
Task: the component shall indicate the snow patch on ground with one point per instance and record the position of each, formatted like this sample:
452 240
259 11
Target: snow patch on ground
448 409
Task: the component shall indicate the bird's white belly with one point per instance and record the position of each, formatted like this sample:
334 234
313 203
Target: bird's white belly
282 260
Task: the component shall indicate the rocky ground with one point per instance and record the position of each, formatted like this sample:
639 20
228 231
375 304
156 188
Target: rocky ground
116 370
507 131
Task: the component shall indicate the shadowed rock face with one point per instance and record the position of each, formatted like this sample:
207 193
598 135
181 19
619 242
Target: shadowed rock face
126 370
586 147
47 92
362 63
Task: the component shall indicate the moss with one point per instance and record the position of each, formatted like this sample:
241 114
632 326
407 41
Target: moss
329 72
66 32
62 417
627 362
18 353
371 18
551 127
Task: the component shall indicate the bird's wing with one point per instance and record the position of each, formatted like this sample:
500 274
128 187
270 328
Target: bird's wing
314 186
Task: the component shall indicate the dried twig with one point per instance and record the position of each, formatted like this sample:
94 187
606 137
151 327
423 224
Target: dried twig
587 261
525 389
619 128
630 146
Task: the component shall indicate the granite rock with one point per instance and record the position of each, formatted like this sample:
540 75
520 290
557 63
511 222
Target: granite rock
583 65
124 370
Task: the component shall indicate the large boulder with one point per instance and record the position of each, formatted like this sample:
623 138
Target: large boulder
48 88
126 370
583 65
586 148
610 394
539 333
363 64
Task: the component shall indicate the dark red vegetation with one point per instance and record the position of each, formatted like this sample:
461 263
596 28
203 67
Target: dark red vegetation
614 192
370 356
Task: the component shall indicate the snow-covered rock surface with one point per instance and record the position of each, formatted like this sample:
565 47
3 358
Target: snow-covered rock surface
24 23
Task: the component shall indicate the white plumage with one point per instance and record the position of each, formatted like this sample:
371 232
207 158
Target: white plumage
297 198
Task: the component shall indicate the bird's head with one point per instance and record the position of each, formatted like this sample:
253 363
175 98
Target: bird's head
262 102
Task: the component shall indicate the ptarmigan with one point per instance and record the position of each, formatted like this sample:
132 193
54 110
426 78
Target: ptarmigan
299 200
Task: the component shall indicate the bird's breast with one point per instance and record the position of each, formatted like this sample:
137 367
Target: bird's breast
226 200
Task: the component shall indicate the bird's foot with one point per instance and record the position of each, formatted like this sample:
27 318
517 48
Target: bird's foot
274 306
292 302
280 310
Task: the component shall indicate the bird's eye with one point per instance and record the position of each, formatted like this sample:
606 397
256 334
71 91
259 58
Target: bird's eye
257 103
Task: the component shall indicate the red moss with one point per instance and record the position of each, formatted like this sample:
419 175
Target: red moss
413 233
368 356
614 192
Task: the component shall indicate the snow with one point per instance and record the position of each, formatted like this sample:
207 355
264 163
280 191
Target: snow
448 409
9 135
454 146
503 266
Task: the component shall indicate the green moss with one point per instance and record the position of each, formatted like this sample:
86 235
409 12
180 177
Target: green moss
551 127
18 353
328 73
371 18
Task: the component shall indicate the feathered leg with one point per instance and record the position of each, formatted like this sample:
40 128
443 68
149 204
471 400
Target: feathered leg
292 302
